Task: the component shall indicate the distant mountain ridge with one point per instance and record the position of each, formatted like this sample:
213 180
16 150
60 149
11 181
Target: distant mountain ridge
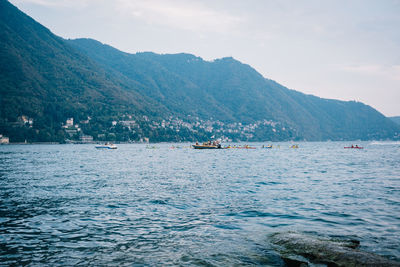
49 79
228 90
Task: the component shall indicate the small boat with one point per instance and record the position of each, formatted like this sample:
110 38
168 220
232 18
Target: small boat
107 146
246 147
354 147
209 145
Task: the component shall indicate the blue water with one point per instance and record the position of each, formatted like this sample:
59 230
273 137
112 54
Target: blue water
73 204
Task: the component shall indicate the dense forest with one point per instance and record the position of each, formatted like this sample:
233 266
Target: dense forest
111 95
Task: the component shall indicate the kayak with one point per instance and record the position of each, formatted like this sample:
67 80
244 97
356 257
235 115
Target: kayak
354 147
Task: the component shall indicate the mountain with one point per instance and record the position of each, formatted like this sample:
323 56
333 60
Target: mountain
395 119
44 80
228 90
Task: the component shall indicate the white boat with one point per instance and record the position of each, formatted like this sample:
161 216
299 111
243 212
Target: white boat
107 146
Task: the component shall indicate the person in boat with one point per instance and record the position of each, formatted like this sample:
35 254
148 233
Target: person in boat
197 143
352 146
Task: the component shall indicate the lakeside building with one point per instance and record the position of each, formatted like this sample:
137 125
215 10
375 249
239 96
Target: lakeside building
4 139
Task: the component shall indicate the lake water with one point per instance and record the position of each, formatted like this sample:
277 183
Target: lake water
73 204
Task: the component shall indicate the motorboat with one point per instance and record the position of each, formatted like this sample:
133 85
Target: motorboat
107 146
209 145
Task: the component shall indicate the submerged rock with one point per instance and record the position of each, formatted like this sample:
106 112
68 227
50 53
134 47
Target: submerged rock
298 249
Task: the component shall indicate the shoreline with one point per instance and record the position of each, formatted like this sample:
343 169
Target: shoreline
240 142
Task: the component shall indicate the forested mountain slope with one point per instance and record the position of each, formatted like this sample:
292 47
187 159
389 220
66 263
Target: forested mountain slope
228 90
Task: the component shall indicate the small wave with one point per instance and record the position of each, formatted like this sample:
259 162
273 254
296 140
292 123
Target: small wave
227 226
255 213
159 201
385 143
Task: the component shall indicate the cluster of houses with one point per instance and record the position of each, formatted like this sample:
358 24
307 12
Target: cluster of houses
73 129
216 128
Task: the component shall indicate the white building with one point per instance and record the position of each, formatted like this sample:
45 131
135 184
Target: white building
69 122
4 139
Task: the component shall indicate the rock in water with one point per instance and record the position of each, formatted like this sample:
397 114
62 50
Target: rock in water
298 249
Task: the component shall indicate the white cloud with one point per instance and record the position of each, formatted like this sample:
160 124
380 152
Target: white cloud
184 15
391 72
56 3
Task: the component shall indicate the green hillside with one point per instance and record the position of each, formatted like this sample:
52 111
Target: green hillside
44 78
228 90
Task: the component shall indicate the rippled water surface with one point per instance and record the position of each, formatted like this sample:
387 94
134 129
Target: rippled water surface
73 204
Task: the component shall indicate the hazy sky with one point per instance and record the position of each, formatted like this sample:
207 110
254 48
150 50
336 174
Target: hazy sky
342 49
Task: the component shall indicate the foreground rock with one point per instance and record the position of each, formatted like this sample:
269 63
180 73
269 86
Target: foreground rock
299 249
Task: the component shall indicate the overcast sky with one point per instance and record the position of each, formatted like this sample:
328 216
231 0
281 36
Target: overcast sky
341 49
